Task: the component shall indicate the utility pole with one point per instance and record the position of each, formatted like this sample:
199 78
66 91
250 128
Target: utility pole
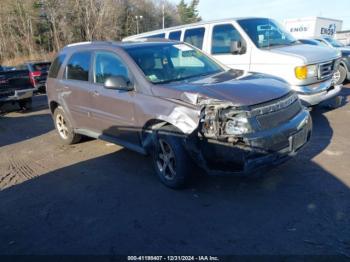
138 17
163 16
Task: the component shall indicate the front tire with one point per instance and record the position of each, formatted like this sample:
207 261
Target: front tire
64 127
340 75
171 160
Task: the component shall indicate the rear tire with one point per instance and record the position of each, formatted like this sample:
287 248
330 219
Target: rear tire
26 104
64 127
170 158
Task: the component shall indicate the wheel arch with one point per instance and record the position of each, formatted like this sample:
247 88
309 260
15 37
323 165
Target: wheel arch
347 68
152 126
53 105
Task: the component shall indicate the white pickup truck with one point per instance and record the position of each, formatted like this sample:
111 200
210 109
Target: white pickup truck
262 45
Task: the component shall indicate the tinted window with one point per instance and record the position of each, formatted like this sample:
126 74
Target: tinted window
157 36
164 63
309 42
41 66
108 64
78 66
195 37
56 65
176 35
223 36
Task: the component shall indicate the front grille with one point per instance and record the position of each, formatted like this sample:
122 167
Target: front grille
325 70
274 119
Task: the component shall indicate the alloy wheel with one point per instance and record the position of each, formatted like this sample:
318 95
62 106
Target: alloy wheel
166 160
61 126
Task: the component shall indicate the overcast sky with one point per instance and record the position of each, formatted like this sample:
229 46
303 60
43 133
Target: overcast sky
277 9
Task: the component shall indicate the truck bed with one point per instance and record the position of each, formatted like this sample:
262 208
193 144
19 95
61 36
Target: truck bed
11 81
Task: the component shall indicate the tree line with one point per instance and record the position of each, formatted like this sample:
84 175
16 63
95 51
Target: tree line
29 27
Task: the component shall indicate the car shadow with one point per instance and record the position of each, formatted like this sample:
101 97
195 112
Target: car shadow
20 128
114 204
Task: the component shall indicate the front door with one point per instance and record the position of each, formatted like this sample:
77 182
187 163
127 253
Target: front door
113 110
221 40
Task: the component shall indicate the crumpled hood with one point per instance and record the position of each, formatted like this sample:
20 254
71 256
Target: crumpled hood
245 90
310 54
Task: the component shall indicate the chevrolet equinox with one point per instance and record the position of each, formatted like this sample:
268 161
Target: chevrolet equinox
170 100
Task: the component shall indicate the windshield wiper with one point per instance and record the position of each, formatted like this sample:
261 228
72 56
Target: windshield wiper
187 77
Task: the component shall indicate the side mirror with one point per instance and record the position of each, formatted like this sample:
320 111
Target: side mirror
237 47
118 83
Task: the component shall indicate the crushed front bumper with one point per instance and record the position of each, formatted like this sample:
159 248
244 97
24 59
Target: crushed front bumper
266 148
316 93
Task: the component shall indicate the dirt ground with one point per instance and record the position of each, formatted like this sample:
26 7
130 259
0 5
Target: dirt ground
98 198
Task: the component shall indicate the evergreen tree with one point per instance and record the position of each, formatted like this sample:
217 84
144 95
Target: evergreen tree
188 13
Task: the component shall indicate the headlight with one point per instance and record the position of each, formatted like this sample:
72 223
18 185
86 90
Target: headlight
304 72
238 125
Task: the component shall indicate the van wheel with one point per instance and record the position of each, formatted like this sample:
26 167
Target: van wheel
171 161
64 127
26 104
340 75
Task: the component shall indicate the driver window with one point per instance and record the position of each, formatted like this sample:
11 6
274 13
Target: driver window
223 36
108 64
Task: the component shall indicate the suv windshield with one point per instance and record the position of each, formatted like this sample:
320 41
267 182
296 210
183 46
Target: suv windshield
168 62
333 42
266 33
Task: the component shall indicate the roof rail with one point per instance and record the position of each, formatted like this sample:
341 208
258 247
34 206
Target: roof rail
79 43
150 39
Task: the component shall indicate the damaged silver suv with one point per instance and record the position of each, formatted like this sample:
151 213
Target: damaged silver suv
170 100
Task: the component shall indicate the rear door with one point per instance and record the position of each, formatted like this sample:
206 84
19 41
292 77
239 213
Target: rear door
113 110
77 90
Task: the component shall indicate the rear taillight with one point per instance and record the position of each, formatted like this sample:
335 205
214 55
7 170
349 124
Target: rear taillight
35 73
32 76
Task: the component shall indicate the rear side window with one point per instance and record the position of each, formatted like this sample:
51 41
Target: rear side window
157 36
176 35
78 66
223 36
195 37
56 65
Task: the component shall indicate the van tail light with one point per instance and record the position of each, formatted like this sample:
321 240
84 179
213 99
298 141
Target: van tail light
32 76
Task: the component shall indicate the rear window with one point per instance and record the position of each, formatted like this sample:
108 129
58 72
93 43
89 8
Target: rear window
41 66
78 66
56 65
195 37
176 35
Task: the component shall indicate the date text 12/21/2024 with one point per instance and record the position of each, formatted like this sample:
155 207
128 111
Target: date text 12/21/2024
173 258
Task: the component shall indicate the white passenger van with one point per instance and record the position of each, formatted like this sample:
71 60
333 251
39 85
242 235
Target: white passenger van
262 45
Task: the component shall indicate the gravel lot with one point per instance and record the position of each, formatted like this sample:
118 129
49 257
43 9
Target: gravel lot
98 198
